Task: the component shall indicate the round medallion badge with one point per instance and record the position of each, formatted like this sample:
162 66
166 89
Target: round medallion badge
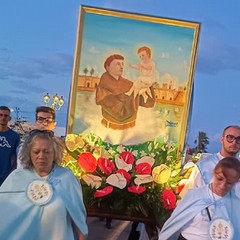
39 192
220 229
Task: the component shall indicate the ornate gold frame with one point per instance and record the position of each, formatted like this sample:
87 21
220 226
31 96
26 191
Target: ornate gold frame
189 28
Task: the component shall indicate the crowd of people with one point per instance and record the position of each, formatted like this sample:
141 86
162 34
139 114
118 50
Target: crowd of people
43 200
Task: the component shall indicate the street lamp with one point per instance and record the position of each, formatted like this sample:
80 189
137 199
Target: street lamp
57 101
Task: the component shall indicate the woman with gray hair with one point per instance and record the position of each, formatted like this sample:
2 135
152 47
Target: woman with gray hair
42 200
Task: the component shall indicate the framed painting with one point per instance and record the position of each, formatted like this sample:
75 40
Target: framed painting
129 106
158 61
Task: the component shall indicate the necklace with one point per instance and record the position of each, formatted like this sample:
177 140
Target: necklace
207 208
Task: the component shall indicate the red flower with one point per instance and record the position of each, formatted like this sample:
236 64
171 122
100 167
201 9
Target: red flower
103 192
180 188
127 157
125 174
137 189
106 165
168 199
87 161
143 168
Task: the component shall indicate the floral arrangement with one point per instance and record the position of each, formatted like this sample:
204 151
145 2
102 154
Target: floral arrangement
142 179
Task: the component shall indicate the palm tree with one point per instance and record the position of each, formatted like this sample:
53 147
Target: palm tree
92 71
202 141
85 70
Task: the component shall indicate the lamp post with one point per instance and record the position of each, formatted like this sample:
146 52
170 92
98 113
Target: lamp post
17 110
56 103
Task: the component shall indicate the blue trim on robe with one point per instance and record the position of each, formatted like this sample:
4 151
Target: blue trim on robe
206 167
20 218
194 202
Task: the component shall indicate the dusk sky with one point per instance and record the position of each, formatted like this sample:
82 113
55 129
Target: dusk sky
37 44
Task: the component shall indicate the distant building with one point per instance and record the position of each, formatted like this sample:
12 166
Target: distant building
164 94
21 127
87 83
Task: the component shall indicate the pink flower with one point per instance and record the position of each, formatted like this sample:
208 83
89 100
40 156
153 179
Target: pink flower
87 161
103 192
127 157
137 189
125 174
106 165
168 199
143 168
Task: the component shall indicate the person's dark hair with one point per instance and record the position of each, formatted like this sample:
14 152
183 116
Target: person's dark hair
25 153
228 163
230 126
5 108
46 110
111 58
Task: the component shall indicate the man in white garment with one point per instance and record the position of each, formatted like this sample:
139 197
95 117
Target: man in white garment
202 171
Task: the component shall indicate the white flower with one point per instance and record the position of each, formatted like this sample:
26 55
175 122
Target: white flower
105 153
182 182
169 158
121 164
152 155
135 153
146 159
175 172
92 180
117 180
165 139
141 179
188 165
111 151
143 153
120 148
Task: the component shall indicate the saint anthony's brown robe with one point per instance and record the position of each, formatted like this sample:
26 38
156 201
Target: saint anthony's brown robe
118 109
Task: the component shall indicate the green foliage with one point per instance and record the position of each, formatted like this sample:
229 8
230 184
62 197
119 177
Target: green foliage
165 161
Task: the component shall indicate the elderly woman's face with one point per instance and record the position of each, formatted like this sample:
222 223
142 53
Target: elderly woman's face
222 183
42 155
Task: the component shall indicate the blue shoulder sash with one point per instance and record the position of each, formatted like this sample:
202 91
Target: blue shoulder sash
206 167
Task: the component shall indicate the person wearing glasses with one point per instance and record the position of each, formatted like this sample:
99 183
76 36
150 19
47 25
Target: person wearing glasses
9 141
45 118
208 212
42 200
202 171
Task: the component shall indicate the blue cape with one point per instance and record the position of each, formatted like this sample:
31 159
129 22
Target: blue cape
206 166
193 203
20 218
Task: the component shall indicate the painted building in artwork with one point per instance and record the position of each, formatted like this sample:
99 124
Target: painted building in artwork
164 93
169 95
87 83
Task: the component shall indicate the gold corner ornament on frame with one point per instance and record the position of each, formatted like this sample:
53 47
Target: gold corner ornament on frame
133 76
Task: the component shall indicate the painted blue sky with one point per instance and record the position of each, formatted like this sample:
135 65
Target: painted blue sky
37 44
171 45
